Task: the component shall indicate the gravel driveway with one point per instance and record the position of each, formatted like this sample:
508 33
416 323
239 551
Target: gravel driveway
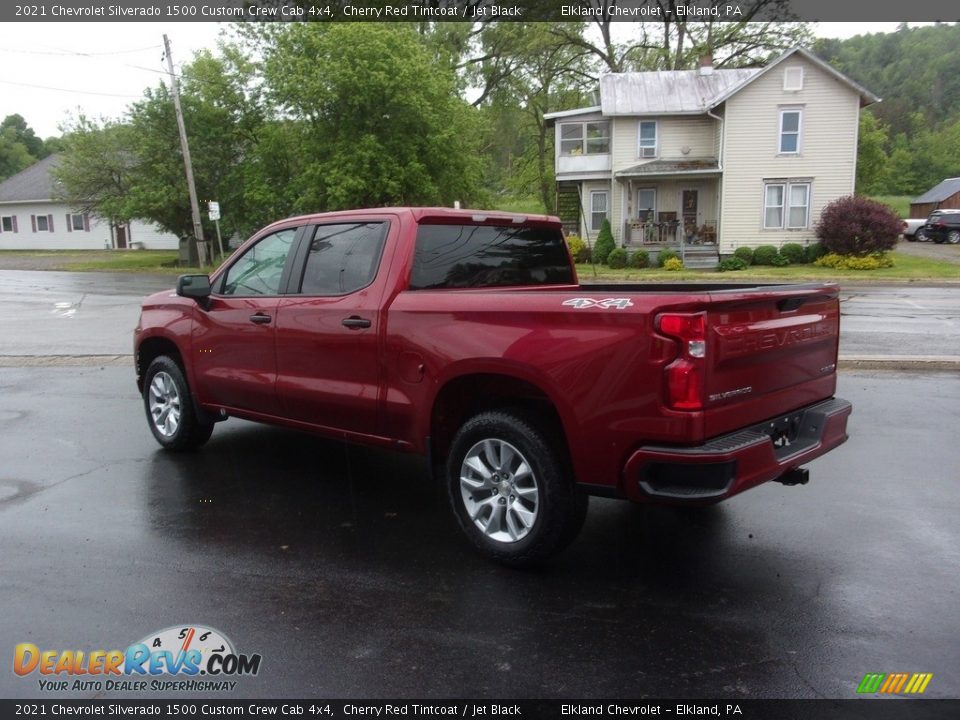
945 252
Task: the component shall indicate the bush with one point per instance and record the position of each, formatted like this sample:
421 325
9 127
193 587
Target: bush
617 258
764 255
604 244
664 255
639 259
795 253
578 249
733 263
779 261
815 251
874 261
745 254
857 226
673 263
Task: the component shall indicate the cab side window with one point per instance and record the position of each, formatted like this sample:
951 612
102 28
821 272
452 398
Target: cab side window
259 270
343 258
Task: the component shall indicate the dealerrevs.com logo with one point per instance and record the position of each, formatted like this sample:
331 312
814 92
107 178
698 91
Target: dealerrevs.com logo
188 657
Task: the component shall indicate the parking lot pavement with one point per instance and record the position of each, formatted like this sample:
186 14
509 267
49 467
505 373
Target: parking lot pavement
342 567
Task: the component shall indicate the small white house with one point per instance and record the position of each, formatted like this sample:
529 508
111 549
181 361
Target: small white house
31 218
705 161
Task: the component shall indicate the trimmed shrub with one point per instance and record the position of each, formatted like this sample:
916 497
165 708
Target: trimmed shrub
854 225
745 254
795 253
673 263
664 255
764 255
874 261
780 261
604 244
815 251
617 258
578 249
639 259
733 263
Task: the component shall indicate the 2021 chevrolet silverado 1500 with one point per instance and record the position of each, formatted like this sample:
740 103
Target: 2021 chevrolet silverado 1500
464 336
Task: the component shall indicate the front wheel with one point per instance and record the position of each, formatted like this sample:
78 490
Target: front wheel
511 488
169 407
953 237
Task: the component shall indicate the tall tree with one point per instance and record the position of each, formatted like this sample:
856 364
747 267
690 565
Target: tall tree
382 122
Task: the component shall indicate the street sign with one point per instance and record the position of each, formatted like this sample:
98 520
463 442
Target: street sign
214 209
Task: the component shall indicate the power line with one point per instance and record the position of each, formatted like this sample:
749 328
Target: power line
61 51
69 90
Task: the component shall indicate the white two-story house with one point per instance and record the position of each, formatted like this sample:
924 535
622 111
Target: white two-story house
709 160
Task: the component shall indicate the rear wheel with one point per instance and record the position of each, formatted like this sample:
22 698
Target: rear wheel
920 235
511 488
169 407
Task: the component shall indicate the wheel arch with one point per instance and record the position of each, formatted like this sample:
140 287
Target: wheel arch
468 394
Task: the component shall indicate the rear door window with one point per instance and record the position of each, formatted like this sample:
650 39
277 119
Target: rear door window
343 258
463 256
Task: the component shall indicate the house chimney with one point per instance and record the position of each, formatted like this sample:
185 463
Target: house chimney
706 63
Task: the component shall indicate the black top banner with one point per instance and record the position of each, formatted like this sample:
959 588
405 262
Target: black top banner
478 11
893 709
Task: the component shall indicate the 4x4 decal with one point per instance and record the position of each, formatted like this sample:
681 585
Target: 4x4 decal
617 303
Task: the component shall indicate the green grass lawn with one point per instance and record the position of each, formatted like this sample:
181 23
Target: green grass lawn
905 267
899 203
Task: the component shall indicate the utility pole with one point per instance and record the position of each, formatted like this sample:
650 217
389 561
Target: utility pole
187 162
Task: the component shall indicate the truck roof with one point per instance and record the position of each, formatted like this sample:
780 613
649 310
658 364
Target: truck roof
422 213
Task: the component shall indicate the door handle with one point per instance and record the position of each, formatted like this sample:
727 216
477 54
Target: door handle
354 323
260 319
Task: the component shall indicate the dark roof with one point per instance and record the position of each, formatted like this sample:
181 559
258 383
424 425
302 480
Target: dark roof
670 167
950 186
34 183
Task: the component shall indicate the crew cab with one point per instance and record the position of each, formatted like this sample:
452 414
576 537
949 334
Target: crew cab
465 336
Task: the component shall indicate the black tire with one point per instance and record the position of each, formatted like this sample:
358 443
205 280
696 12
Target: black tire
953 237
559 508
166 388
920 235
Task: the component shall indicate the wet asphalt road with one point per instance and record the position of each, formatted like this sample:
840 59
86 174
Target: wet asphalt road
344 569
60 313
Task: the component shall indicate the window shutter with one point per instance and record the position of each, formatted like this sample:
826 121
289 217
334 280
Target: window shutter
50 222
69 224
15 224
86 222
33 222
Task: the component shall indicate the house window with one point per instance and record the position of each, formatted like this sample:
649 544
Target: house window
646 203
76 222
43 223
598 209
790 132
786 205
793 79
592 138
8 223
648 138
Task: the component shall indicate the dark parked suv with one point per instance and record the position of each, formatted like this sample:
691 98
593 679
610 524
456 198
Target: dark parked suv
943 226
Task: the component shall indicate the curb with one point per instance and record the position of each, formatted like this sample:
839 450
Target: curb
916 363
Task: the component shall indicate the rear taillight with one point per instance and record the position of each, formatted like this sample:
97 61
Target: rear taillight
684 377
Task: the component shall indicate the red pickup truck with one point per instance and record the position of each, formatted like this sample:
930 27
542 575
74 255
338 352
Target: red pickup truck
465 336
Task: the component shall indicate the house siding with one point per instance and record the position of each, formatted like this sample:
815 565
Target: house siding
673 134
827 157
96 238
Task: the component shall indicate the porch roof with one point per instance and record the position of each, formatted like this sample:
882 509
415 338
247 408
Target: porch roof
671 167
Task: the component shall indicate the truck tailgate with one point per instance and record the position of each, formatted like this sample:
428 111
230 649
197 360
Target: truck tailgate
768 351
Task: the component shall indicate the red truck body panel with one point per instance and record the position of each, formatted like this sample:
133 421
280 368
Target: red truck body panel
597 354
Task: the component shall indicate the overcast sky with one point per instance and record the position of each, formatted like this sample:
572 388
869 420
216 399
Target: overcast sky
54 70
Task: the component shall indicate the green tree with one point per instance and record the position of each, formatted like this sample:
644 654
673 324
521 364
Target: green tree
382 122
871 155
14 155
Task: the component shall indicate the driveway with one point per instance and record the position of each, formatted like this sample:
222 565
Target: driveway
930 250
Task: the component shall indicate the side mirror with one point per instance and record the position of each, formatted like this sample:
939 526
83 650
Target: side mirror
194 286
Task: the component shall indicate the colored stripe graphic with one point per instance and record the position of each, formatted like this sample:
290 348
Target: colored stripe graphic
894 683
